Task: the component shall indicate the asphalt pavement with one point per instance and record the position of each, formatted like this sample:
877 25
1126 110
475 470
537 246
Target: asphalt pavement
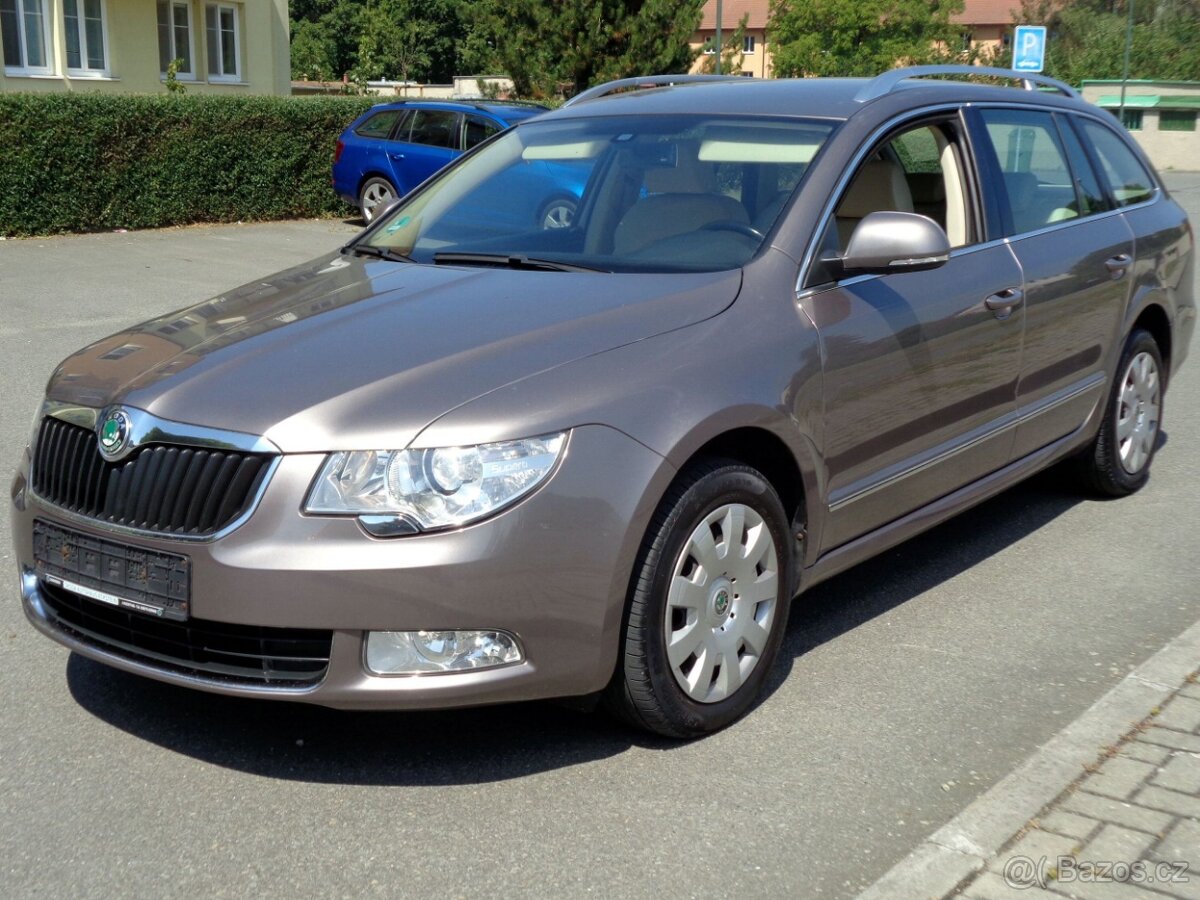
907 687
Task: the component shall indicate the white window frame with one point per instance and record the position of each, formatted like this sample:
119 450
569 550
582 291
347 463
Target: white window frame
84 71
749 42
182 74
236 9
24 69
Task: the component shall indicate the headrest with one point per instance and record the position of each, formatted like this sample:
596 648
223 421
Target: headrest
879 186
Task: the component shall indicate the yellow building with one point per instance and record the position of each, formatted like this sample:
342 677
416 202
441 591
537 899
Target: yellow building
226 46
987 26
753 57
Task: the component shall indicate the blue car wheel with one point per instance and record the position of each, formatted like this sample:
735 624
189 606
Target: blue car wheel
374 193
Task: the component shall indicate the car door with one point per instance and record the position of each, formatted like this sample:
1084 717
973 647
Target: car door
428 141
919 371
1076 254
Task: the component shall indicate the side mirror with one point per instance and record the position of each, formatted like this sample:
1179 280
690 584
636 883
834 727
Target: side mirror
886 242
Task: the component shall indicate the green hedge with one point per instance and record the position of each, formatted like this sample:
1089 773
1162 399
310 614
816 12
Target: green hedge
86 162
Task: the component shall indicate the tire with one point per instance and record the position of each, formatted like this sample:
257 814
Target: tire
558 213
717 619
1117 462
375 192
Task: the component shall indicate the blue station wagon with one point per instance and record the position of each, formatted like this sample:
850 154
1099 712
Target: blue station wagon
393 147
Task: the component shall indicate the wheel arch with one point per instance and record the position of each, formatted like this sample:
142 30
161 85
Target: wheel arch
786 458
375 173
1154 319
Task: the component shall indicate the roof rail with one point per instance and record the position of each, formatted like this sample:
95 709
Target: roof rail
647 81
887 82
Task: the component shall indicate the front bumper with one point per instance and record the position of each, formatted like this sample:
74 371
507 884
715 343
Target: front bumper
553 570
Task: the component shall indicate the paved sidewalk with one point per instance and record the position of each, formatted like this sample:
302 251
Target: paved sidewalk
1108 808
1128 828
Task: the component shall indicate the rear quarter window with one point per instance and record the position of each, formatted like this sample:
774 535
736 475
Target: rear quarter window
1127 178
380 124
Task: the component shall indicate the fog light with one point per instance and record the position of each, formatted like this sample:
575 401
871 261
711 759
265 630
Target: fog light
424 652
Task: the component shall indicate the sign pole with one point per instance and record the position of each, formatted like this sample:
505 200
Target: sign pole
1125 72
718 37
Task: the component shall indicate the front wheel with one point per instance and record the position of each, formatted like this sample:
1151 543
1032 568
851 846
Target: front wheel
1117 463
708 607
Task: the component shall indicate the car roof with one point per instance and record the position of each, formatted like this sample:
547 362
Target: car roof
508 111
836 98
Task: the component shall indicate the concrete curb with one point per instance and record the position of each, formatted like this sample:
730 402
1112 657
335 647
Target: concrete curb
969 840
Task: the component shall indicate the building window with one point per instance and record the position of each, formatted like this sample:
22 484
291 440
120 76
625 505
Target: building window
1130 118
748 44
175 37
1177 120
86 37
221 33
23 33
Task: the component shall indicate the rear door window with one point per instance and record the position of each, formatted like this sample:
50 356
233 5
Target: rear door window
379 125
1127 178
1037 179
435 128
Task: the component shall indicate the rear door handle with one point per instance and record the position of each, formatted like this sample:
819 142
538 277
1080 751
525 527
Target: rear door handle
1118 264
397 156
1004 301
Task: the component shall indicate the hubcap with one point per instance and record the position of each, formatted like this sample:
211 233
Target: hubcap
559 216
722 602
374 195
1138 403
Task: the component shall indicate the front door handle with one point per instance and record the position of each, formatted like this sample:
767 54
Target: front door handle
1119 264
1002 302
397 156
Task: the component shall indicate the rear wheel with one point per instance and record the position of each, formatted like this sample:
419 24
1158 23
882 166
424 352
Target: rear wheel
375 193
709 605
1118 461
558 213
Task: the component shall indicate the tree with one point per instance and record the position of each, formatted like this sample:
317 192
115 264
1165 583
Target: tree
861 37
394 39
391 43
548 47
1087 38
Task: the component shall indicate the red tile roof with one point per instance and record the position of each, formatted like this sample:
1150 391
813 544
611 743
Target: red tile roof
988 12
977 12
732 12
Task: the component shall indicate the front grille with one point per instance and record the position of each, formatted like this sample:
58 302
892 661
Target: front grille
159 487
245 654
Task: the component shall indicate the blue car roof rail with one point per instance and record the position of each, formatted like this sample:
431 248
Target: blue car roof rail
647 81
884 84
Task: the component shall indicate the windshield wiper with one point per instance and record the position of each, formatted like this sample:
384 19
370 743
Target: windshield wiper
511 261
378 252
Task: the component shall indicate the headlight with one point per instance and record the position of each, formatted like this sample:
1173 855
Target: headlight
435 488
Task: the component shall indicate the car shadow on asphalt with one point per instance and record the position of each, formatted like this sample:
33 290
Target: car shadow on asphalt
920 564
295 741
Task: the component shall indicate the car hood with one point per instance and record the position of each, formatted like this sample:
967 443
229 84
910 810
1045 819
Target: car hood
345 353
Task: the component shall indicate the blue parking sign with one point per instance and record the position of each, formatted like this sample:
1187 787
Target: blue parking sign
1029 48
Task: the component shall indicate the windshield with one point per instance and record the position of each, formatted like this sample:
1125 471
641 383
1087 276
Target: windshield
625 193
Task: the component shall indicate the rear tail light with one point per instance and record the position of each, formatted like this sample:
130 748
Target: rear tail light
337 152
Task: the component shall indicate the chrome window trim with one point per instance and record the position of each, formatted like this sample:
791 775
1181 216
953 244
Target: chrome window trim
150 429
827 211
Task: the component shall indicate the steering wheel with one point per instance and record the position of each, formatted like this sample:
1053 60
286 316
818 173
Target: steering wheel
736 227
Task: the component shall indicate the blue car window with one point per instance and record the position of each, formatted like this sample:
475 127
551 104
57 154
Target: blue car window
478 130
380 124
434 127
